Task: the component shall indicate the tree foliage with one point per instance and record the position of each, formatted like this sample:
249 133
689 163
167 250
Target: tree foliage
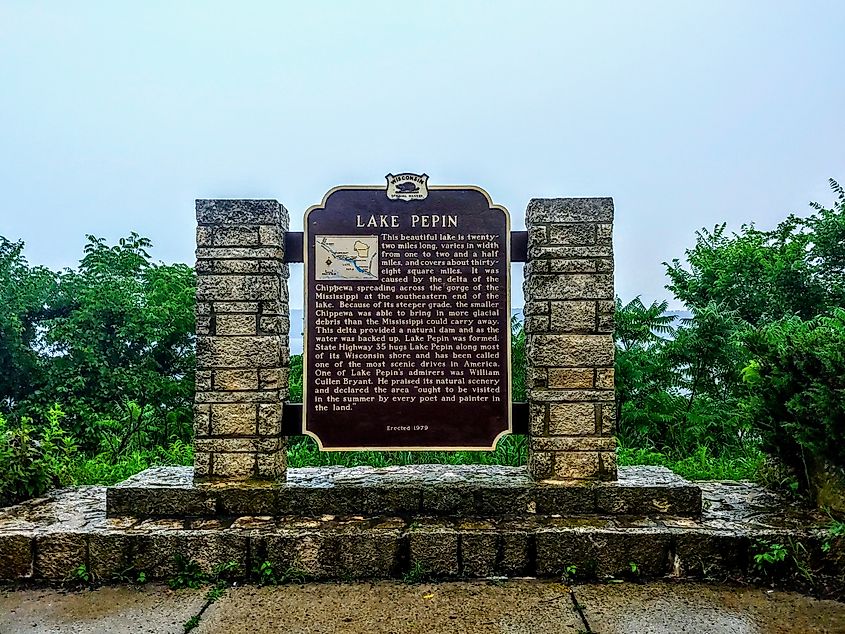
677 383
761 359
796 269
111 340
24 295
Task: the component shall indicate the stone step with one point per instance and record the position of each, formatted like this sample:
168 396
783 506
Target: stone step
51 537
406 491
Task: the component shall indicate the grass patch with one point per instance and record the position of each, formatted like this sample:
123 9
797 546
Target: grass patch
702 465
103 469
303 452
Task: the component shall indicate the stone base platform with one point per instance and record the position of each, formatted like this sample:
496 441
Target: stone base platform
407 491
49 538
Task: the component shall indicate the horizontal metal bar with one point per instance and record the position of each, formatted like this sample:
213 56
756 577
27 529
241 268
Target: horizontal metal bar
292 419
519 418
519 246
294 246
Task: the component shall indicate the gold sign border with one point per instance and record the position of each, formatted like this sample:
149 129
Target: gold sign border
305 252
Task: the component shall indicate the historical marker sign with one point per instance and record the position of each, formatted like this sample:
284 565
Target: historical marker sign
407 336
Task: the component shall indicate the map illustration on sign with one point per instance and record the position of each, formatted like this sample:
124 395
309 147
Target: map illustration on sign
346 257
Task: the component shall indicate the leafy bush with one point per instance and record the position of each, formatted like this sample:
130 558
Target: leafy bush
33 458
120 331
678 386
113 342
762 276
759 364
797 381
646 408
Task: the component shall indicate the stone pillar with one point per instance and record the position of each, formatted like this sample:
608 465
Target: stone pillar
569 304
242 340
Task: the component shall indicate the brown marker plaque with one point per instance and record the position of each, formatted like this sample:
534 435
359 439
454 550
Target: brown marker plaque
407 327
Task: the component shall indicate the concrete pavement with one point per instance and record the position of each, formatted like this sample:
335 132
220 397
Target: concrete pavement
511 607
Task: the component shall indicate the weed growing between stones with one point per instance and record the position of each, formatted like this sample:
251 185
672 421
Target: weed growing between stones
80 576
768 556
215 593
189 575
579 609
266 575
292 574
801 560
773 561
417 573
226 571
570 573
129 575
835 531
191 623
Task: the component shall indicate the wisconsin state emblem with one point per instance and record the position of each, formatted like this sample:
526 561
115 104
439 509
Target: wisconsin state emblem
407 186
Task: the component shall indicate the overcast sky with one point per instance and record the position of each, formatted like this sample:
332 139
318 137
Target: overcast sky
115 116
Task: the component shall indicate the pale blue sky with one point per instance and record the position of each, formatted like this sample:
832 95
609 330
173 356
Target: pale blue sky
116 115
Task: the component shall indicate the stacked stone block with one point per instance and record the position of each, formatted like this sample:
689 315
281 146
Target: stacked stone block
569 305
242 340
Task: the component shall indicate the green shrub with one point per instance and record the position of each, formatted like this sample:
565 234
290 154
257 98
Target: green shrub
678 386
797 381
114 341
33 458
